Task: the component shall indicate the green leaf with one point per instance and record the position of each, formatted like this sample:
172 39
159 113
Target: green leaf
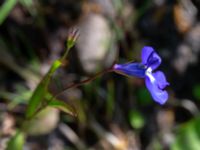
187 137
62 106
6 8
136 119
56 64
16 142
41 90
35 100
186 140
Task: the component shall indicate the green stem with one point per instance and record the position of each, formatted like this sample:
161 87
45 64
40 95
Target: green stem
65 54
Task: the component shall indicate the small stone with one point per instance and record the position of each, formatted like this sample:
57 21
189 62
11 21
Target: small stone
44 122
95 44
184 15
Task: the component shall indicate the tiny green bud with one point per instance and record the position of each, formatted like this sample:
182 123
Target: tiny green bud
72 37
70 41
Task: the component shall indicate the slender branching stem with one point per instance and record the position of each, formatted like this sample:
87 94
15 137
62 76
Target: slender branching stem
74 85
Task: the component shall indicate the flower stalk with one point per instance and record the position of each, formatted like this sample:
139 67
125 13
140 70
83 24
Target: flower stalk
70 42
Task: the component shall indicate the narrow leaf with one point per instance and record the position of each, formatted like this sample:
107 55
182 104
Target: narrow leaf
16 142
62 106
41 90
6 8
35 100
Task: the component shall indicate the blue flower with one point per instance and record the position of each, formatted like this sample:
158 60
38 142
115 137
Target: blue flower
155 81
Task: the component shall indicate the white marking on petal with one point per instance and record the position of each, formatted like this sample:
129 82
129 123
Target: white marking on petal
148 73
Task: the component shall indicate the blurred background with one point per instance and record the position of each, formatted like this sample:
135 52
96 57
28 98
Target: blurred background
114 112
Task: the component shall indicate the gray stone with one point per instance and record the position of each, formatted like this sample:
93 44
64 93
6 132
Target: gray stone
95 45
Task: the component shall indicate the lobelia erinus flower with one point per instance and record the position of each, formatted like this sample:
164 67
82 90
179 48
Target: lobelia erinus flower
155 81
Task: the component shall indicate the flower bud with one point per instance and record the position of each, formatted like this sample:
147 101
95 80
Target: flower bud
72 37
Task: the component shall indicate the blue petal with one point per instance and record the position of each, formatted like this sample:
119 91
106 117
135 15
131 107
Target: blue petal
146 52
150 58
160 77
130 69
156 86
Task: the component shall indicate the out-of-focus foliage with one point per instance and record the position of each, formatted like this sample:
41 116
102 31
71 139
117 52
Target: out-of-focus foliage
136 119
6 8
16 142
196 91
188 136
112 111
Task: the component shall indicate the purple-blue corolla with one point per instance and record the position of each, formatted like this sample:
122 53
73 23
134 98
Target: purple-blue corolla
155 81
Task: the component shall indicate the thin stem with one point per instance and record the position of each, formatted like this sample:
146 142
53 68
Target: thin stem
65 54
74 85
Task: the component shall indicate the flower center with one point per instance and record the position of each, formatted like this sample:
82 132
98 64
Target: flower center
148 73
